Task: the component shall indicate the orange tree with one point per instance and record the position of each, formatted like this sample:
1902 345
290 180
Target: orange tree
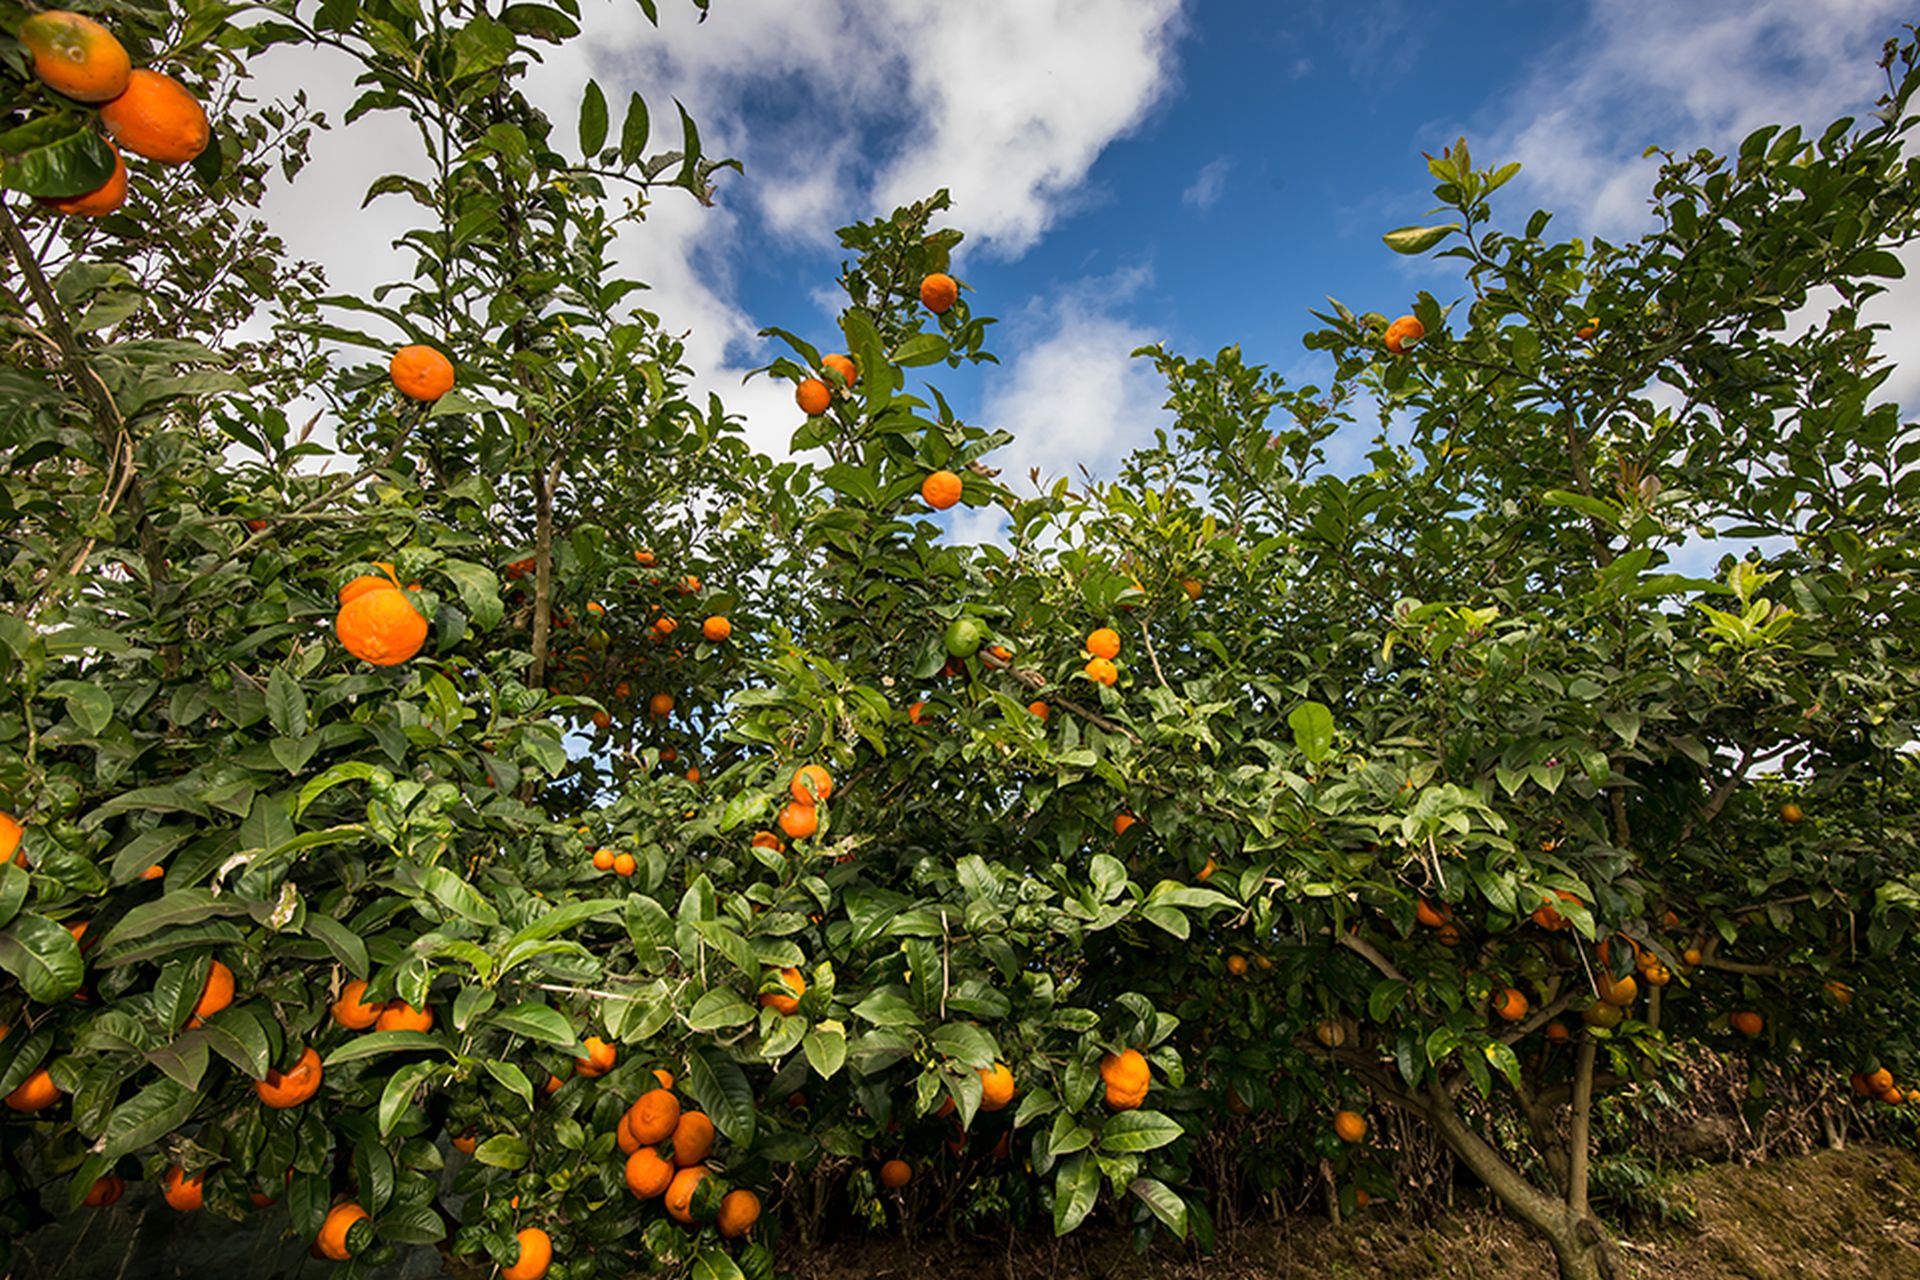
1235 785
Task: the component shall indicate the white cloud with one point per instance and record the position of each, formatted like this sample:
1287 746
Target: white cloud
1208 185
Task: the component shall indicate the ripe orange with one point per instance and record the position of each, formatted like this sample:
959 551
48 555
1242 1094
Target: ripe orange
664 626
795 982
465 1143
1101 671
216 995
716 629
36 1093
1587 331
693 774
76 56
332 1240
664 1076
281 1090
842 366
351 1012
996 1087
10 833
1104 643
100 201
660 706
813 397
1426 914
1512 1004
624 865
153 872
938 293
421 372
536 1255
599 1058
398 1015
1237 965
380 627
1448 934
1747 1023
1404 333
1547 916
184 1193
1349 1125
1206 872
654 1116
603 859
1039 709
688 585
370 582
692 1139
680 1193
1557 1032
1839 992
895 1174
1121 822
1692 955
157 118
601 720
941 490
643 558
1621 992
739 1210
105 1191
799 820
811 776
647 1174
1332 1033
767 840
1791 812
1127 1079
916 713
1193 587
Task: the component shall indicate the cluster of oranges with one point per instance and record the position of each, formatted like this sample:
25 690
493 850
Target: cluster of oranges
143 111
1103 646
1879 1083
377 622
353 1012
666 1149
809 788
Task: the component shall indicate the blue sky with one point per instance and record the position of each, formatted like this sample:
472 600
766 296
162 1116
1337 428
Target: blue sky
1198 172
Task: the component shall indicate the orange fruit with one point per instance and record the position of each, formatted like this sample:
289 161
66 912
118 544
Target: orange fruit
623 1135
692 1139
105 1191
216 995
370 582
1123 821
1349 1125
895 1174
100 201
660 706
1839 992
536 1255
767 840
654 1117
1426 914
466 1143
647 1174
938 293
669 754
36 1093
1127 1079
421 372
1692 955
664 626
351 1012
1747 1023
157 118
1403 333
1236 965
599 1058
799 820
153 872
76 56
795 982
1039 709
603 859
693 774
680 1193
996 1087
814 777
380 627
1603 1015
1448 934
916 713
1791 812
813 396
688 585
643 558
398 1015
332 1240
664 1076
1206 872
716 629
842 366
1104 643
601 720
281 1090
1101 671
1512 1004
624 865
1332 1033
1557 1032
1547 916
183 1193
739 1210
1621 992
10 833
941 490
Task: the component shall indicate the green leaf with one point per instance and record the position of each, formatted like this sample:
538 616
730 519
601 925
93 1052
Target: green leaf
61 154
90 706
395 1098
719 1008
1596 508
147 1116
536 1021
343 942
921 348
178 907
286 704
43 955
593 120
504 1151
1076 1184
13 890
1418 239
826 1051
511 1077
236 1035
1127 1132
375 1043
1312 725
718 1084
1165 1204
714 1264
633 134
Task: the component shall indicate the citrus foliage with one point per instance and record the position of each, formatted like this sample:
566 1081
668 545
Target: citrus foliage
1465 784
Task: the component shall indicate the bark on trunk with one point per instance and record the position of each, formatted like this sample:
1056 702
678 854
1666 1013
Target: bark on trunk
542 576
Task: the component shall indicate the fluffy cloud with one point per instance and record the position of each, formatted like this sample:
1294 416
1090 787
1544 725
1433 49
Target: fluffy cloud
1208 185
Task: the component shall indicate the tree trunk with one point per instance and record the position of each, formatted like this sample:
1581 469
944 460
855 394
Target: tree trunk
542 575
